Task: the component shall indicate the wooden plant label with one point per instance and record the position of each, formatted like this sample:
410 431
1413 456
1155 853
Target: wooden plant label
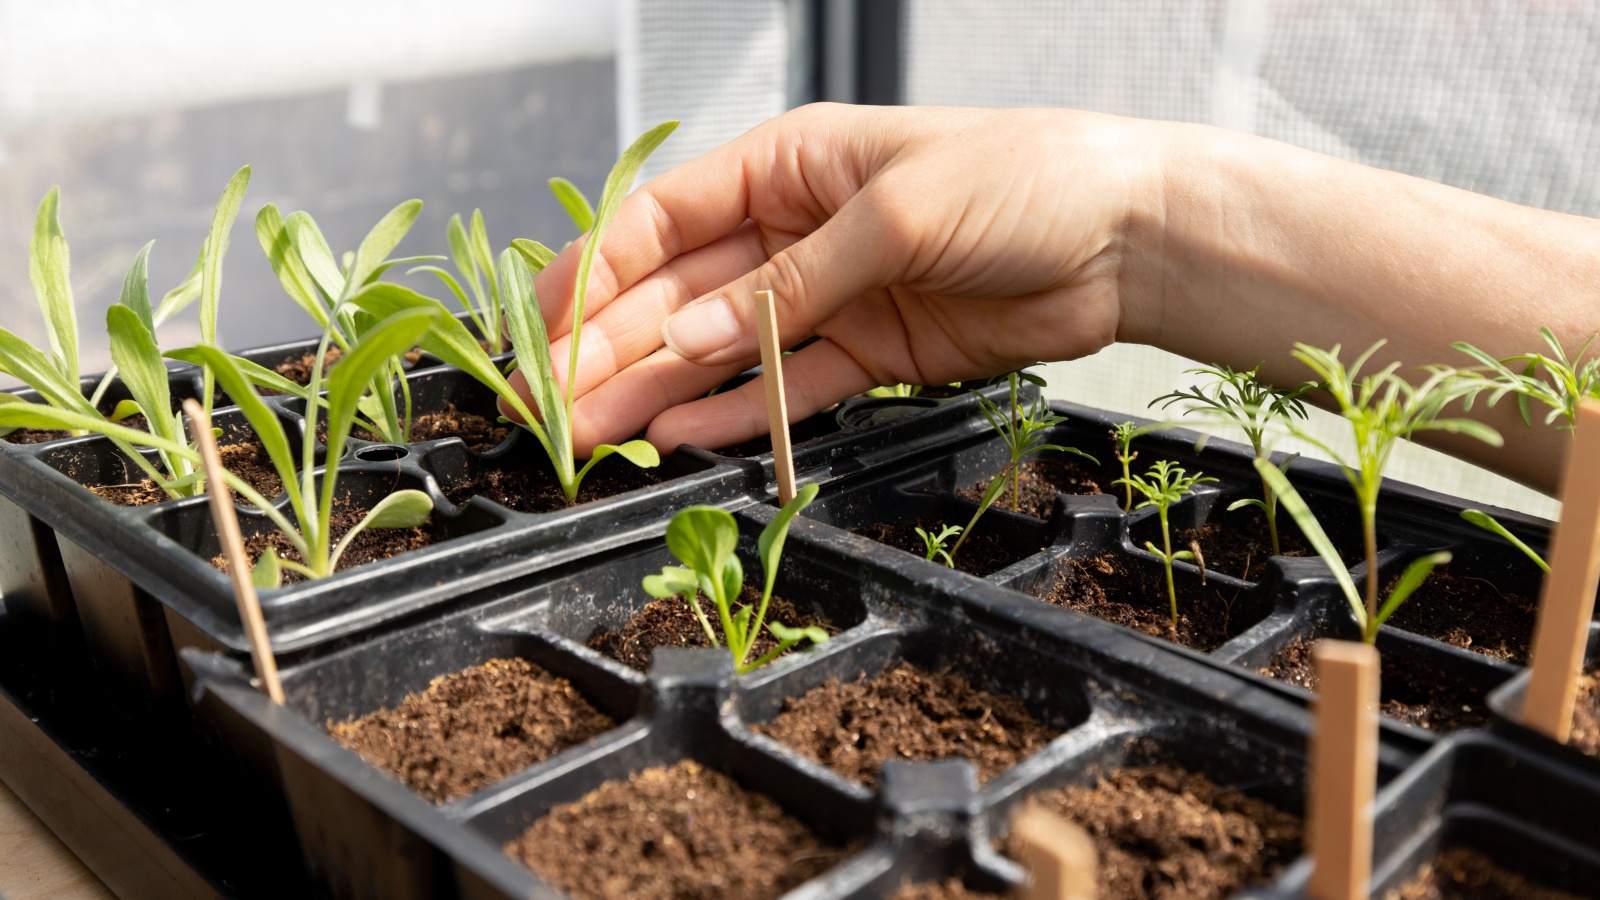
1567 603
227 522
1344 770
777 404
1059 855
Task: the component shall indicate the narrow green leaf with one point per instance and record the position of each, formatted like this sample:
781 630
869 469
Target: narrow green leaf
30 366
136 288
134 350
315 254
573 201
273 235
784 633
770 545
216 247
48 268
349 379
1311 529
1488 523
175 300
382 239
482 250
532 343
1413 577
261 417
534 254
255 373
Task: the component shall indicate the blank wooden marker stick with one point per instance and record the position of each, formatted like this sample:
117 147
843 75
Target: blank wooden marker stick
1567 603
227 521
1059 856
777 405
1344 770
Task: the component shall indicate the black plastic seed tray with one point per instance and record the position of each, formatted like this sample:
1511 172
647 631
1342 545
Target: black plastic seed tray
1115 699
1506 704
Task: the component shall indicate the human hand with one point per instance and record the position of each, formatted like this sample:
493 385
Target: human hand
921 246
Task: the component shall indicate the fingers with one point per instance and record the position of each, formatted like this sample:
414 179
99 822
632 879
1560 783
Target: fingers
622 406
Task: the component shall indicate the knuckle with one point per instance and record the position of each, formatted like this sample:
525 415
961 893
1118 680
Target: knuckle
783 276
668 235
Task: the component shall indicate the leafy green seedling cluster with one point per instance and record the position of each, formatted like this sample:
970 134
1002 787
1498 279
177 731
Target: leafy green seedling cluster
1242 400
935 543
1165 484
704 539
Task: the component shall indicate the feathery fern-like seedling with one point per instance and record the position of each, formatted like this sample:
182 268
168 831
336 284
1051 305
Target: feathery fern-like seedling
1165 484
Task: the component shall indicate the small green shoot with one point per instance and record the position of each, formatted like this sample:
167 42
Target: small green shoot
1242 400
935 543
474 261
1165 484
1490 524
1122 436
704 539
452 342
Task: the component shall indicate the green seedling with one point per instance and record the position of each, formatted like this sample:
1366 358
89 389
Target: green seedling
131 326
1490 524
895 390
704 539
309 274
549 417
1165 484
1381 408
935 544
475 264
1242 400
1122 436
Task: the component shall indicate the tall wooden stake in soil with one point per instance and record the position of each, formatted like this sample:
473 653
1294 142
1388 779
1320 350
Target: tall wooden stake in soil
777 404
1568 601
227 521
1344 770
1058 854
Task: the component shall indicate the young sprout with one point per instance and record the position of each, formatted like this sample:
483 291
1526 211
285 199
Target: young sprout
1381 409
1241 400
934 544
131 326
1165 484
549 417
474 261
1122 435
704 539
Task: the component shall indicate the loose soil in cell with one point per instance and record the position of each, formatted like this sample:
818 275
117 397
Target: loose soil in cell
669 622
679 831
1110 588
298 368
1586 714
949 889
1162 832
907 713
1416 695
371 545
46 435
1241 548
535 490
246 459
1471 613
1041 480
1460 874
479 433
981 555
473 728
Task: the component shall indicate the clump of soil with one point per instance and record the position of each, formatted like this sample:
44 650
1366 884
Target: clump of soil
1586 714
1460 874
678 831
668 622
480 433
1470 613
246 459
1040 480
1162 832
1109 588
36 435
1416 695
473 728
535 490
907 713
981 555
371 545
949 889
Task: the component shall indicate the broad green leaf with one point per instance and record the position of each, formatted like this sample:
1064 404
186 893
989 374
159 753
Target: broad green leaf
382 239
673 581
315 255
573 201
267 575
1488 523
273 235
134 350
48 268
770 545
349 379
30 366
1311 529
1413 577
703 538
401 509
216 247
641 453
125 409
534 254
136 288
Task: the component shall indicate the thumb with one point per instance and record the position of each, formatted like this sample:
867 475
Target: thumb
810 280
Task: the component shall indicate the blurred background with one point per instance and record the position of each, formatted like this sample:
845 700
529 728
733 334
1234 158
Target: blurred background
141 110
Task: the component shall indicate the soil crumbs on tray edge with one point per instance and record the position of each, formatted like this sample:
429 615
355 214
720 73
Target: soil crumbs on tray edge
1441 706
910 714
1107 588
1163 832
474 727
676 831
1457 873
668 622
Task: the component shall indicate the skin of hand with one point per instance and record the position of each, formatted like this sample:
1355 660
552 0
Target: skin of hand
924 246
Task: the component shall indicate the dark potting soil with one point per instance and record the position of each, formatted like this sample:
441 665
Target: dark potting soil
1109 588
678 831
479 433
46 435
1586 714
907 713
668 622
949 889
981 555
1241 547
473 728
298 368
246 459
1041 480
1471 613
371 545
1416 695
1460 874
532 490
1162 832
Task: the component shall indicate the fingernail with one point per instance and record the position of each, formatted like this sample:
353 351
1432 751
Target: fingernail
701 329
